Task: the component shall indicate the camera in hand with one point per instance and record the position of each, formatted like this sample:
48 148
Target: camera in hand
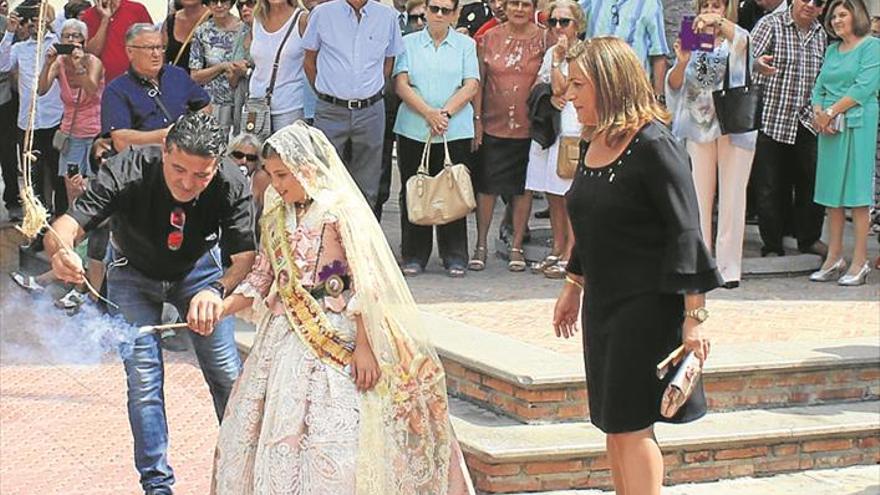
64 49
72 169
693 41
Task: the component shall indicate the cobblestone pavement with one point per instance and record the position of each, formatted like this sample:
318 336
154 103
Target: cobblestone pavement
64 428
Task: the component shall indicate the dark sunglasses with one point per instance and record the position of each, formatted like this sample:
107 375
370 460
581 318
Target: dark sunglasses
246 3
175 237
561 22
417 17
238 155
816 3
436 9
218 2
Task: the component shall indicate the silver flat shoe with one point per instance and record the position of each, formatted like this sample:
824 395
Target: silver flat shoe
830 274
858 279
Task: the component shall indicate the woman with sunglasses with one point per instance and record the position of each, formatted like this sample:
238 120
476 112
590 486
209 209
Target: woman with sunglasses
567 24
211 61
510 57
244 150
416 16
436 78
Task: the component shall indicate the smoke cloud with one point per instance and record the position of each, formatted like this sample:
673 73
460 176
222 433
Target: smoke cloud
34 331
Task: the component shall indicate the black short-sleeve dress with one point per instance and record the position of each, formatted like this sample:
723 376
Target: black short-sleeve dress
639 248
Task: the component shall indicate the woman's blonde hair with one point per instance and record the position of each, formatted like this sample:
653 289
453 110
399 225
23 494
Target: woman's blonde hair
861 22
262 8
624 97
731 9
577 12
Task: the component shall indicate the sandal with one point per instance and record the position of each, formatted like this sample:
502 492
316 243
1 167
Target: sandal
517 261
26 282
412 269
556 271
547 262
478 260
456 271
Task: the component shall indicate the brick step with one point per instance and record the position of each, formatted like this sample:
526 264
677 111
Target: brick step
535 385
507 457
850 480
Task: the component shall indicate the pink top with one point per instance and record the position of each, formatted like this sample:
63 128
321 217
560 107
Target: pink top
88 115
510 68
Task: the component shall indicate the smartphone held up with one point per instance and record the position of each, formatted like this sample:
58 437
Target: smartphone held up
695 41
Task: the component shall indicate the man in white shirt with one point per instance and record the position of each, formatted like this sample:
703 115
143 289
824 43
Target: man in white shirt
22 58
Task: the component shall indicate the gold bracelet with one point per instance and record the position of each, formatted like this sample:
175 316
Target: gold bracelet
574 282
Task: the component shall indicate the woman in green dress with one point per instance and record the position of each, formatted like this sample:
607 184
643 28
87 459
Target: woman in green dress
846 110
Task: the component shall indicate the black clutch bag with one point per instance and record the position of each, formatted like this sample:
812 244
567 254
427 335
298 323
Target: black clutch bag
739 109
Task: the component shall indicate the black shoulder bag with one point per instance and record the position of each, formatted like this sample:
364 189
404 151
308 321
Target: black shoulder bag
739 109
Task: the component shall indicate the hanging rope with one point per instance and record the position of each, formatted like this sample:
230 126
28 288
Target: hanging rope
36 216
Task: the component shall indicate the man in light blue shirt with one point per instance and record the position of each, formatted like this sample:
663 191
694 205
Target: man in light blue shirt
638 22
350 47
23 58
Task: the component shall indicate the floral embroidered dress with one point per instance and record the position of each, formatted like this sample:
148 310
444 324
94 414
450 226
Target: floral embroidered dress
292 423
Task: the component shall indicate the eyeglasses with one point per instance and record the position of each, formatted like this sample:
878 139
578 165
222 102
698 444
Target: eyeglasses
218 2
816 3
246 3
72 36
175 237
238 155
436 9
413 18
615 14
561 22
150 48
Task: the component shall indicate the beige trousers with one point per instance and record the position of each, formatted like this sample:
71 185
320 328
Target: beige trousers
719 164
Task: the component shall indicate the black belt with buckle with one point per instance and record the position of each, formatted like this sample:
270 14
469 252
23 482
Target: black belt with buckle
351 104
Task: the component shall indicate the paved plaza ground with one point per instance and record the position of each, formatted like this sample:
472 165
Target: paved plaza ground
64 427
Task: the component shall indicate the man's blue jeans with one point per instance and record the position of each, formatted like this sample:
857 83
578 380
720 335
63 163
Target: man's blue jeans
140 299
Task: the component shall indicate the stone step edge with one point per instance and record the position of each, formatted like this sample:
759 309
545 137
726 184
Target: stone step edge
531 367
546 442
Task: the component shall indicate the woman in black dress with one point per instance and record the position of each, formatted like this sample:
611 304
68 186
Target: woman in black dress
639 258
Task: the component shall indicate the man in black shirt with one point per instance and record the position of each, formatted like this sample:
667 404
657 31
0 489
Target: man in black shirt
170 207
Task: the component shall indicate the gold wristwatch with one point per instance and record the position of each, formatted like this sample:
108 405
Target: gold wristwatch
699 314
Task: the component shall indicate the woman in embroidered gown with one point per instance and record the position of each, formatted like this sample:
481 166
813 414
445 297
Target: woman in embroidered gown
341 393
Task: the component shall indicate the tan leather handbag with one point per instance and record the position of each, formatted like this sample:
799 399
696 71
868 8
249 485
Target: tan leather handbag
441 199
569 153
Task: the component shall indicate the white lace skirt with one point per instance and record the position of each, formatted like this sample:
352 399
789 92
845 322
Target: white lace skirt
291 425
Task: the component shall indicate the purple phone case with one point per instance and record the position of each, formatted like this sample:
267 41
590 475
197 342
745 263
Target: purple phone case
692 41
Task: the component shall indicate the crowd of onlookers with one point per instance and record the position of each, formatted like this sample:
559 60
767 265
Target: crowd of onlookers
486 81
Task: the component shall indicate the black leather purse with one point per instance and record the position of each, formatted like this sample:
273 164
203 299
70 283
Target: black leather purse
739 109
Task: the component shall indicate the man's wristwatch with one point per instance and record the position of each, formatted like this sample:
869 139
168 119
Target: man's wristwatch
218 287
699 314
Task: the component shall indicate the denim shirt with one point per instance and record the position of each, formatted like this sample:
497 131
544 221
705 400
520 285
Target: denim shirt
692 107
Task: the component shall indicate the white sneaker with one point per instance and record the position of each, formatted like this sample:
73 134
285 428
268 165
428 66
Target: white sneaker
70 301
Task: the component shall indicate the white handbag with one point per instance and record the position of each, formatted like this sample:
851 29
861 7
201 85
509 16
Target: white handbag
441 199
